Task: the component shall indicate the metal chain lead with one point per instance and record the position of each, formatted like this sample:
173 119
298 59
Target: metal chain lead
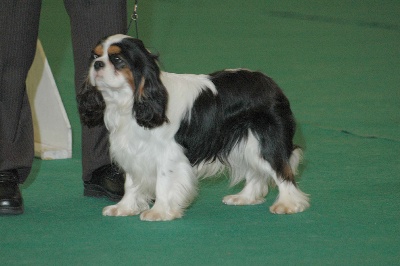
134 17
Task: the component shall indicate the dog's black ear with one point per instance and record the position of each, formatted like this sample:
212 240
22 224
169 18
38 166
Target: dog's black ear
150 94
91 105
151 99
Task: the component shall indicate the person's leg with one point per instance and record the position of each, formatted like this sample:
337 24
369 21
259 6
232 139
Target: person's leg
91 21
19 23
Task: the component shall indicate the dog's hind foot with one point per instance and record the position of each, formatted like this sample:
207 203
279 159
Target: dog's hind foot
290 200
119 210
241 200
156 215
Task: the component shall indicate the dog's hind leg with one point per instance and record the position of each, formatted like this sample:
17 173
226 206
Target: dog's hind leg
258 171
290 199
254 192
244 161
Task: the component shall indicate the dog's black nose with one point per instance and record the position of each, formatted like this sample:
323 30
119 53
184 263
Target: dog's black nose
98 65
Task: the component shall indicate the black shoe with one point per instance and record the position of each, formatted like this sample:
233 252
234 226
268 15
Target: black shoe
107 181
10 196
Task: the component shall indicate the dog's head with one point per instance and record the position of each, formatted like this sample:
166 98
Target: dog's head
123 72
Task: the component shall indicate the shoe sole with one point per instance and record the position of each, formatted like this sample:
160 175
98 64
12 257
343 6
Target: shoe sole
96 191
11 211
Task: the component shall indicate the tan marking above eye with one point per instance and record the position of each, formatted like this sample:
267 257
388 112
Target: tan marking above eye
98 50
114 49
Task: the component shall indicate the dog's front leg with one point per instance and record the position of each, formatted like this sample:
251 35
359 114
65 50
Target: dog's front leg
175 189
133 202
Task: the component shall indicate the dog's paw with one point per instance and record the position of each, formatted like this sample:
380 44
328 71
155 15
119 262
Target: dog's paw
155 215
119 210
281 208
290 200
289 206
241 200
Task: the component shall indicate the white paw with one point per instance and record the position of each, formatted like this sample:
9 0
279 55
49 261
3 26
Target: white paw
285 205
156 215
290 200
119 210
241 200
284 208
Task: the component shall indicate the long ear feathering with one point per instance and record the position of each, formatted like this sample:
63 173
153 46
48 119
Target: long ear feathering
91 105
150 103
150 94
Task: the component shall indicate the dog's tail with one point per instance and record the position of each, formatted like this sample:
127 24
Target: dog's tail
295 159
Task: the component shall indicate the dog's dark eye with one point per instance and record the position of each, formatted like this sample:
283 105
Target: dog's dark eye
117 61
94 56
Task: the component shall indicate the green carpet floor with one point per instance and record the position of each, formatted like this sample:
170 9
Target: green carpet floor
337 61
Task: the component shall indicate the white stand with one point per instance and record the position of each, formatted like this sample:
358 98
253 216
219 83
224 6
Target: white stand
52 130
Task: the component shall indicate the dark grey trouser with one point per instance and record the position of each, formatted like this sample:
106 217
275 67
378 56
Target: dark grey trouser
19 23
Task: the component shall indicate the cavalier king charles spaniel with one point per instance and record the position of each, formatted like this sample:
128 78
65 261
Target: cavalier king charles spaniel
167 131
